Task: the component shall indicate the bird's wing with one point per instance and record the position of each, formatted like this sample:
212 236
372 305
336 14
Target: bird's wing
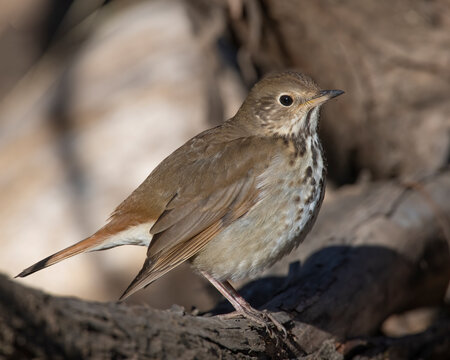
216 191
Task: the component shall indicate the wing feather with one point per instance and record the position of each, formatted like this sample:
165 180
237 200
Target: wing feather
153 269
183 222
216 190
173 246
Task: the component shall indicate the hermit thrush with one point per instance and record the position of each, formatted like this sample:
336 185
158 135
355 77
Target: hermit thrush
232 200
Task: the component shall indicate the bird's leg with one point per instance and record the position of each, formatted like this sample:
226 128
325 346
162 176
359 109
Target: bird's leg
242 306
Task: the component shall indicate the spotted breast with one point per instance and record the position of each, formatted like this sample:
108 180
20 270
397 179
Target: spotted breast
291 193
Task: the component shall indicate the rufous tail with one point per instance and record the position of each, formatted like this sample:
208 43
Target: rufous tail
78 248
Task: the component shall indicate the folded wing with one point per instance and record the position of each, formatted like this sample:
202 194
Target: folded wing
193 217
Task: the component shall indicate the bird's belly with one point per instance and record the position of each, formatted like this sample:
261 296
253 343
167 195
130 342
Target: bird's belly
270 230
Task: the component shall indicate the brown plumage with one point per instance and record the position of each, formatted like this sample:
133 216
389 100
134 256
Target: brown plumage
233 199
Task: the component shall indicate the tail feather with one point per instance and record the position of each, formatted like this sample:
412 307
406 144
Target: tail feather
78 248
138 282
119 231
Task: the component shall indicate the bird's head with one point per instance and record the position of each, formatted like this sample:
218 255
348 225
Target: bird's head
283 104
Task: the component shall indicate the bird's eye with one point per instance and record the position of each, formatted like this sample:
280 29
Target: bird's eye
286 100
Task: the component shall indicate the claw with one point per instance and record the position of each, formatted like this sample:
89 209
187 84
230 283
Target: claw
275 322
262 318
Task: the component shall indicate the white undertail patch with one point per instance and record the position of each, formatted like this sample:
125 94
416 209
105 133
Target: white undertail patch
134 235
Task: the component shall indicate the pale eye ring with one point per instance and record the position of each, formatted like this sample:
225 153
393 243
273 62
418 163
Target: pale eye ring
286 100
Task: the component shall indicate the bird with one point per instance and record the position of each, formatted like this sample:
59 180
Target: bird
232 200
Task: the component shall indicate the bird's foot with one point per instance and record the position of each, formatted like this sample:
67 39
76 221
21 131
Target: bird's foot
263 318
243 308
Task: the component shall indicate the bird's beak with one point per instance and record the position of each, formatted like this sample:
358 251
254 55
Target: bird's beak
323 96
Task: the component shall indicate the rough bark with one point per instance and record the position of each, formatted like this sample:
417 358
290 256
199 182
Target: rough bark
377 249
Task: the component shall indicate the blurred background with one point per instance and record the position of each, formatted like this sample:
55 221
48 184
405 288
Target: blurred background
94 94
